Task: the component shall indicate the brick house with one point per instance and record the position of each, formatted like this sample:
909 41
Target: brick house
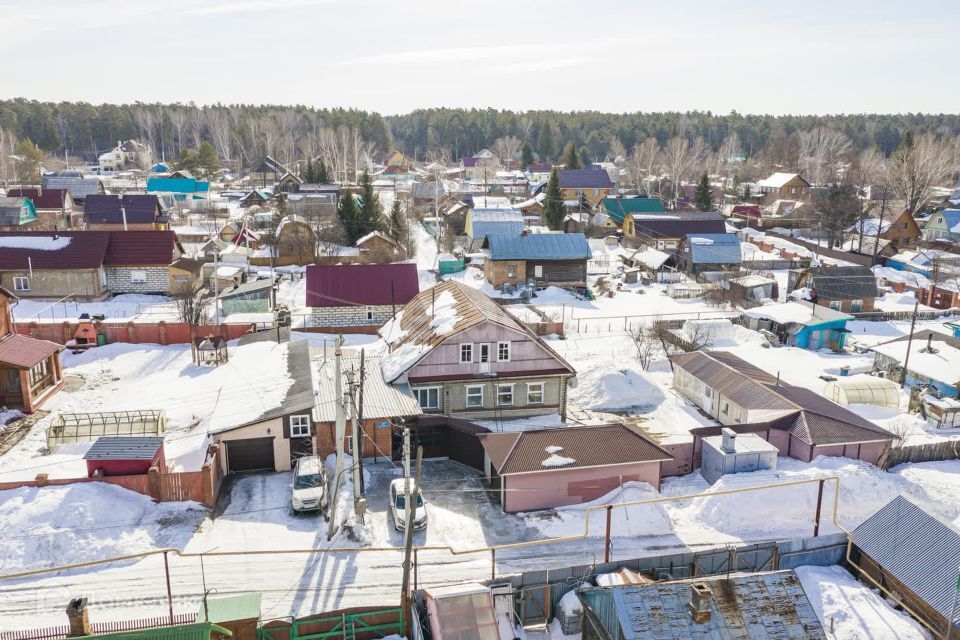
784 186
131 212
359 295
850 289
547 259
55 208
30 370
464 355
592 184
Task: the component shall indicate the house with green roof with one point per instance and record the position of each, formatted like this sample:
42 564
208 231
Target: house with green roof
17 214
618 208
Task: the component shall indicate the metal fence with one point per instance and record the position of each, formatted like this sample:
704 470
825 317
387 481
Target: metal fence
63 631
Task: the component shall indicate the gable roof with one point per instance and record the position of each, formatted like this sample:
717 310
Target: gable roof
481 228
437 313
951 218
677 225
110 209
495 215
42 198
78 186
779 179
177 185
734 378
538 246
135 248
584 179
619 208
381 400
587 446
714 248
51 250
23 352
376 234
12 211
842 283
269 165
343 285
916 548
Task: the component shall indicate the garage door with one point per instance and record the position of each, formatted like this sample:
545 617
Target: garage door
252 454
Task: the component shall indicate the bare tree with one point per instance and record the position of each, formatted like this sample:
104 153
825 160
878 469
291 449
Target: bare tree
617 152
146 121
867 169
177 116
221 130
507 148
680 156
196 119
643 163
917 167
730 148
192 308
645 341
822 152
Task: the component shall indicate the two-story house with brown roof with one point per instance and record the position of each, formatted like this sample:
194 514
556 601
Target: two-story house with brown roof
464 355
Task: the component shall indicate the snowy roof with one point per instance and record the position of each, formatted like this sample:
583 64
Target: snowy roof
650 257
495 215
714 248
871 226
568 448
777 180
798 312
941 364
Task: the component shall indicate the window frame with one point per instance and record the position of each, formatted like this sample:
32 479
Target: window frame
296 427
418 390
468 348
512 270
509 387
467 396
530 389
838 303
134 279
19 279
500 344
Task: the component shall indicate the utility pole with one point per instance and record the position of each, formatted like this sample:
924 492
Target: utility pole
408 531
358 509
358 445
406 452
906 358
216 287
341 426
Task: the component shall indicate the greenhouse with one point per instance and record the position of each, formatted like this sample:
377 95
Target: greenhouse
863 389
71 428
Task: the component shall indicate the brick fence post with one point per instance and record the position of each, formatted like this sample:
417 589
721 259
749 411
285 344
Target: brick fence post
131 333
65 334
153 476
162 329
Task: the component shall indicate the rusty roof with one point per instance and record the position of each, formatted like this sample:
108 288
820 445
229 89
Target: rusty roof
589 446
23 352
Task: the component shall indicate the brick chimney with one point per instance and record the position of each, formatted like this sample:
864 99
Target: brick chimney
700 598
79 618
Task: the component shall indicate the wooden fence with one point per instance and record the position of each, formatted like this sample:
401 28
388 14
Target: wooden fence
160 332
929 452
63 631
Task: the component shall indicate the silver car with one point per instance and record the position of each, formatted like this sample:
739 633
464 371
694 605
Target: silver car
398 505
309 485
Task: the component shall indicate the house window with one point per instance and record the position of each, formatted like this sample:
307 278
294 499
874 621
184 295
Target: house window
538 271
369 313
38 373
511 271
534 393
428 397
579 192
503 352
856 306
21 283
836 305
504 395
138 276
299 426
466 353
475 397
793 190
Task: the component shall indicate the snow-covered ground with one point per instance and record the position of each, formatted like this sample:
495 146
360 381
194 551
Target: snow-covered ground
127 307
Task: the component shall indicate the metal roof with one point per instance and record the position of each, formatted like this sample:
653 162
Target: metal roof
124 448
110 209
714 248
660 225
481 228
538 246
177 185
761 606
241 606
43 198
916 548
495 215
619 208
78 187
23 352
344 285
841 283
380 400
584 179
251 286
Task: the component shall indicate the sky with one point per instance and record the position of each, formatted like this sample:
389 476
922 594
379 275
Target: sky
751 56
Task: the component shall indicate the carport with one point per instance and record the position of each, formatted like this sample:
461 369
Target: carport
444 437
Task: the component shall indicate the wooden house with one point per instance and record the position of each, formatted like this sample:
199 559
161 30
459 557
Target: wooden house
379 247
256 197
850 289
288 183
902 232
545 259
464 355
55 207
664 231
943 226
30 370
591 184
397 159
18 214
784 186
296 242
700 252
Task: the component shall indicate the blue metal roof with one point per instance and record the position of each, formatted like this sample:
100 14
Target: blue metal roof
538 246
714 248
916 548
177 185
495 215
482 228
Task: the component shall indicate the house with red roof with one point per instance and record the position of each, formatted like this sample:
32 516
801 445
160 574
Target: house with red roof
87 265
55 207
359 295
30 370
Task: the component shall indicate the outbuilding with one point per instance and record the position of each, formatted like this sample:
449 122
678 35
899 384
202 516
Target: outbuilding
732 452
124 455
359 295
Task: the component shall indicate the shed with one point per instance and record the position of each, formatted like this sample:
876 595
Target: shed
238 613
461 611
125 456
71 428
731 452
863 389
449 263
256 296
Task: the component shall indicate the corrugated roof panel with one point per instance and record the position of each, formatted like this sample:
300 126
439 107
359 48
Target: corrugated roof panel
539 246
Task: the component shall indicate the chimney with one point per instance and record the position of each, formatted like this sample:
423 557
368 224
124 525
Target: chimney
700 599
524 233
79 618
729 444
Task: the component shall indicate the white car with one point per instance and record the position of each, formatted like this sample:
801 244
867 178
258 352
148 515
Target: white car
309 485
398 505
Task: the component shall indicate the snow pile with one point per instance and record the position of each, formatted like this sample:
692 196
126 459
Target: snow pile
555 459
346 518
35 243
570 604
637 520
700 241
851 610
600 389
935 486
57 525
444 314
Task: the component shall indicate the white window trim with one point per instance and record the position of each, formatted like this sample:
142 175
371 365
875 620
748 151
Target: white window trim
530 387
513 399
466 396
21 279
507 359
298 430
466 344
538 271
838 303
136 280
427 389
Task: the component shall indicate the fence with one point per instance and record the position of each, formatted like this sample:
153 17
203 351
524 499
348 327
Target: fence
881 316
63 631
537 593
929 452
774 265
349 624
612 324
160 332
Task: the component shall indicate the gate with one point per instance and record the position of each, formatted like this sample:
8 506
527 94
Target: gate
733 560
534 603
347 626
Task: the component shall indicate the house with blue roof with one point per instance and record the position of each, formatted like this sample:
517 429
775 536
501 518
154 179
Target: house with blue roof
181 189
943 225
480 223
700 252
543 259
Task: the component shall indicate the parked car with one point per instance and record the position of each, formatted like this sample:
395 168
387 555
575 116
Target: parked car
398 505
309 485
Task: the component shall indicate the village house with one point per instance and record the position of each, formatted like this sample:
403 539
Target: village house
272 168
664 231
55 208
901 231
464 355
296 242
397 159
359 295
784 186
129 154
932 359
850 289
180 189
255 197
78 186
943 226
801 323
592 184
288 183
548 468
185 276
130 212
617 208
545 259
482 167
87 265
254 296
18 214
800 423
379 247
703 252
481 222
30 370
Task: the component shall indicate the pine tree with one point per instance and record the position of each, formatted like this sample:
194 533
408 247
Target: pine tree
703 196
570 159
348 214
322 176
553 209
28 162
371 214
207 161
545 144
526 155
310 174
398 222
185 161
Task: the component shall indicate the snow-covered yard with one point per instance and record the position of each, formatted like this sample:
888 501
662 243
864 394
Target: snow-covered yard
127 307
